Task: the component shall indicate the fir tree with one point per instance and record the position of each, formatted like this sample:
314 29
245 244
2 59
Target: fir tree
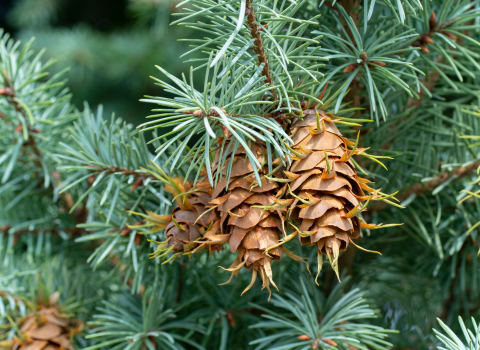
350 124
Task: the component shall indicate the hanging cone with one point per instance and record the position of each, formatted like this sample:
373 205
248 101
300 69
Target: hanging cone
251 215
193 223
45 329
327 189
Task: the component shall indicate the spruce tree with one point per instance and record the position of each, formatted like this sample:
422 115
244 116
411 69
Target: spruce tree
327 161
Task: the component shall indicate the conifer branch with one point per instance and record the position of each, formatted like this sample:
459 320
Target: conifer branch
422 42
55 230
258 48
351 7
424 187
79 216
139 176
10 94
4 294
432 75
426 38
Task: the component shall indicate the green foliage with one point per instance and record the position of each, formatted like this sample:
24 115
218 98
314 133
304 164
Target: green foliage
231 97
302 327
36 109
130 322
367 57
452 342
76 186
194 113
28 281
115 189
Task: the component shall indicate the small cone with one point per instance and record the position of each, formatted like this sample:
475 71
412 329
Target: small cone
251 215
192 219
193 223
327 189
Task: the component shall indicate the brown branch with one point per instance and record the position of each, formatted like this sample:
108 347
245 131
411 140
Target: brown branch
73 230
8 295
426 38
351 7
346 259
139 177
10 94
80 214
421 188
258 47
422 42
55 230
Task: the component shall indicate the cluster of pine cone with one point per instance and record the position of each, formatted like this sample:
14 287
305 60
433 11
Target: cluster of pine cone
318 195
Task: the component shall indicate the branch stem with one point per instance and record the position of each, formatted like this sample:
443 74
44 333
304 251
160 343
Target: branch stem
10 94
258 47
421 188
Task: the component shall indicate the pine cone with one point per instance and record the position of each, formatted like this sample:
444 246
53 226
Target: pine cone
192 225
250 214
325 185
46 329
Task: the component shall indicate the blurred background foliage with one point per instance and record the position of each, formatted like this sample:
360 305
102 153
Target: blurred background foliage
110 46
